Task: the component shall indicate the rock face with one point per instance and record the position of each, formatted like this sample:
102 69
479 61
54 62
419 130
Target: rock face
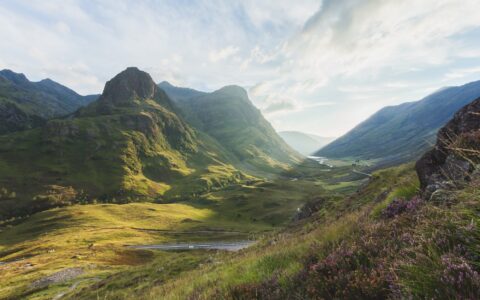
130 85
456 152
14 119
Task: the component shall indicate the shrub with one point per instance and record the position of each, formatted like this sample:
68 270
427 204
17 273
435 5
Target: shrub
400 205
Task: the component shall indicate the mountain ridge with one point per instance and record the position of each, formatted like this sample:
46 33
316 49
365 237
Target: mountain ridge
406 130
134 144
229 116
25 104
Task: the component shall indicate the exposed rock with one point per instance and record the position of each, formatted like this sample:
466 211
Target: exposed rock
60 129
129 86
12 119
59 277
451 162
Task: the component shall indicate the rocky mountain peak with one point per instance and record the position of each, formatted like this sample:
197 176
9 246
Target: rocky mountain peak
17 78
233 90
166 84
129 84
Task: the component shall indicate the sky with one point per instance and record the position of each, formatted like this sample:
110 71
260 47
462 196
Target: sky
315 66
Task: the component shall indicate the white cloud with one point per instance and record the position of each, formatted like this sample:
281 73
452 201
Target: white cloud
463 72
222 54
279 107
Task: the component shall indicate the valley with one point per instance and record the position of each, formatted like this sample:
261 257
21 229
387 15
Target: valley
89 197
143 191
239 150
106 239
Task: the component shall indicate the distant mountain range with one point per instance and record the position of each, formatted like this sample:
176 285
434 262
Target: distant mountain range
304 143
403 132
25 104
137 144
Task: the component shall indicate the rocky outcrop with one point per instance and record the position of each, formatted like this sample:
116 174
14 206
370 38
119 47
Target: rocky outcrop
12 119
132 85
455 155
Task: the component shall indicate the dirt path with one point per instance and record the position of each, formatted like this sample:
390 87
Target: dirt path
361 173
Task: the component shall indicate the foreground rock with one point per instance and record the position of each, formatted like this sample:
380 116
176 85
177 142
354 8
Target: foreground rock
453 159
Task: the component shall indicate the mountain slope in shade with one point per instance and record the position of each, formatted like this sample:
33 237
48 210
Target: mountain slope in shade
129 145
25 104
402 132
304 143
228 116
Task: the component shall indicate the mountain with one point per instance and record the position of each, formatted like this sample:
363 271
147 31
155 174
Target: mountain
402 132
179 93
133 144
304 143
25 104
228 116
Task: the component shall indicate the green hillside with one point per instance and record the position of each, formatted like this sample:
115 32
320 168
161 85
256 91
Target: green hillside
133 145
25 104
402 133
127 146
234 122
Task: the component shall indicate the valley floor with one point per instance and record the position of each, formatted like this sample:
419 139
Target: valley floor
56 253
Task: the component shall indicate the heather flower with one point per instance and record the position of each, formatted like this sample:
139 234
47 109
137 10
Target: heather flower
459 274
400 205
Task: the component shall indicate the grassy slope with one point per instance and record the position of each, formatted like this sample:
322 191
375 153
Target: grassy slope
363 246
360 246
60 238
283 259
103 157
228 116
121 149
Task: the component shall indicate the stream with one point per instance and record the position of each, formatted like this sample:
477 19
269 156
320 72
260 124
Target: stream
320 160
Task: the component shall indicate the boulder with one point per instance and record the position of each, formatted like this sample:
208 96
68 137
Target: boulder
453 159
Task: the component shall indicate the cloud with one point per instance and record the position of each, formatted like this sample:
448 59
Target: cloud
463 72
354 38
278 107
222 54
384 51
